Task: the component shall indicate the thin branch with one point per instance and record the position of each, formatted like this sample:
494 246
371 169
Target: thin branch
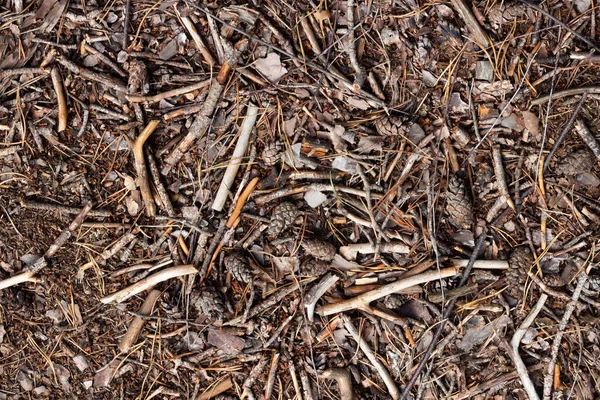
59 89
140 166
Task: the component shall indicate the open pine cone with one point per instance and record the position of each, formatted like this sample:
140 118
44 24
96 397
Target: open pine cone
282 218
237 264
271 154
209 302
577 162
389 126
319 249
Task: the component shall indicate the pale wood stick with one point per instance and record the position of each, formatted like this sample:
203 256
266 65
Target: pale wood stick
316 292
271 377
381 369
351 251
57 82
138 322
149 282
27 276
140 166
236 159
366 298
343 379
500 176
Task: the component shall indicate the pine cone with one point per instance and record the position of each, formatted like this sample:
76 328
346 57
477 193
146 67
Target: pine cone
319 249
282 218
519 263
314 268
389 126
394 301
209 303
138 77
271 154
576 162
237 264
458 204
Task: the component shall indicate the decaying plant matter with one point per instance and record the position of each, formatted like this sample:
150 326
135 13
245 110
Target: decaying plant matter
333 199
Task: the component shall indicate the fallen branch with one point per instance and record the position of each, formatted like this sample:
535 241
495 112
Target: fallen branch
63 209
549 377
351 50
57 82
364 346
480 264
104 79
138 322
140 166
236 159
272 374
566 93
203 120
253 376
516 341
343 379
320 187
148 283
363 300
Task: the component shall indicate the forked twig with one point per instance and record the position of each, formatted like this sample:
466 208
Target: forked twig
140 166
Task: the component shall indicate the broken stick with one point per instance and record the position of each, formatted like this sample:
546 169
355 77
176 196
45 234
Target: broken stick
149 282
138 322
57 82
343 379
363 300
236 159
140 166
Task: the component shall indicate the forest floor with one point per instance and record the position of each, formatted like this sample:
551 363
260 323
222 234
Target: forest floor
299 200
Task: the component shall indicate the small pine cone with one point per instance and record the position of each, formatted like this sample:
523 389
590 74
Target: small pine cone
553 280
519 263
458 204
282 218
394 301
575 163
314 268
389 126
320 250
209 303
271 154
237 264
138 77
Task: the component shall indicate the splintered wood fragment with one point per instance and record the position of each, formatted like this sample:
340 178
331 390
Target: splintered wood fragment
137 324
587 137
500 176
20 71
111 251
365 299
469 19
59 89
217 389
236 159
104 79
140 166
343 378
316 292
381 369
191 28
149 282
203 120
350 252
